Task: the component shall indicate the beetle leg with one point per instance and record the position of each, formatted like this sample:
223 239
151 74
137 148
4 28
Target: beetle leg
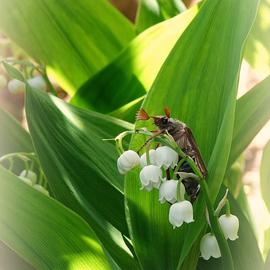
149 139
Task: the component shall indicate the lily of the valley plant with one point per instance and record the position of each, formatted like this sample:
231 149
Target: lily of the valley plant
87 186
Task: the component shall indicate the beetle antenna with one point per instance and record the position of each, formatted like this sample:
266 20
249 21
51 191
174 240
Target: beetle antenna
167 112
142 115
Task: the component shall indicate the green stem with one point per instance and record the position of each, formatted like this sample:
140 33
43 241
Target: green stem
179 196
223 245
177 168
147 154
20 155
119 138
228 208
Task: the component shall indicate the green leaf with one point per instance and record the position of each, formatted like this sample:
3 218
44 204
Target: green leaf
266 244
13 72
43 232
252 113
206 77
80 167
14 138
257 51
73 49
148 14
155 11
265 175
136 67
267 262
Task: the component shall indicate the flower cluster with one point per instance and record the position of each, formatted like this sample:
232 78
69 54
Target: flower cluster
30 178
155 164
209 246
163 169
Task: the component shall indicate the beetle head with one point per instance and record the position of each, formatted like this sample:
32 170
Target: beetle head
162 122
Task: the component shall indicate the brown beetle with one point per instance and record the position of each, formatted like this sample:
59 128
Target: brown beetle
185 140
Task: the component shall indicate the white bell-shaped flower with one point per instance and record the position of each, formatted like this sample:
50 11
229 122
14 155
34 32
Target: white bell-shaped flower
150 177
181 212
41 189
26 180
127 161
168 191
230 226
15 86
166 157
209 247
152 157
37 82
30 175
3 82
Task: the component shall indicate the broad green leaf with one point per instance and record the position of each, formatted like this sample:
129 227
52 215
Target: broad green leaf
43 232
135 69
257 51
148 14
129 110
151 12
267 262
13 137
200 73
80 167
266 244
252 113
245 250
74 39
13 72
9 260
265 175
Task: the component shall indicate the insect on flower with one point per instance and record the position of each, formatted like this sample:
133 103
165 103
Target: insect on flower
183 136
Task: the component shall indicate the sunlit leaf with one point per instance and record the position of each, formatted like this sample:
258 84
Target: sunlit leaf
265 175
135 69
13 72
80 166
257 51
266 245
155 11
13 137
73 39
44 232
252 113
200 73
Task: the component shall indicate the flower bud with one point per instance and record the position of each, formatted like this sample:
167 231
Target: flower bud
37 82
15 86
230 226
3 82
181 212
168 191
209 247
150 177
152 157
41 189
26 180
127 161
30 175
166 157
